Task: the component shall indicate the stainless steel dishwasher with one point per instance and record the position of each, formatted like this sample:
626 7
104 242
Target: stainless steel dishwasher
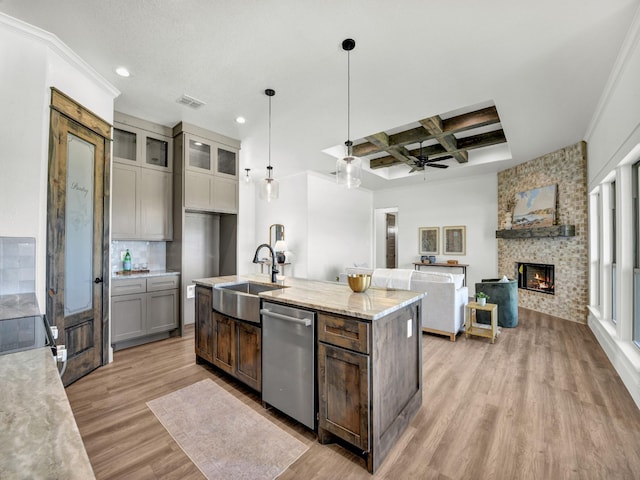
288 361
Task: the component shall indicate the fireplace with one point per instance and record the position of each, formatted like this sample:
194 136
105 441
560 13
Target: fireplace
537 277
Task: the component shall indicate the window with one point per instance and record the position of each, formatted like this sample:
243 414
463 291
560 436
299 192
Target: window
613 253
594 247
636 255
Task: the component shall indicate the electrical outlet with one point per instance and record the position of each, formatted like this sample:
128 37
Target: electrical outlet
409 328
122 254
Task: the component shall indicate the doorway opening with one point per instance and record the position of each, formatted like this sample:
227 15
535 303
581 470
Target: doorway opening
386 238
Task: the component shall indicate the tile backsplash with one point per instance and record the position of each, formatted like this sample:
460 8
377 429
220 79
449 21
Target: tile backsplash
151 254
17 265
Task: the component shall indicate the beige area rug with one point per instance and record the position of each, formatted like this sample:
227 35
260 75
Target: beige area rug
225 438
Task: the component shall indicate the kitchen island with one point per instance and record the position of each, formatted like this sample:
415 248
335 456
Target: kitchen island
369 359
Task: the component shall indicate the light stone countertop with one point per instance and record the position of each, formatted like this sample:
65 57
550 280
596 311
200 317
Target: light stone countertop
331 297
39 438
152 273
18 305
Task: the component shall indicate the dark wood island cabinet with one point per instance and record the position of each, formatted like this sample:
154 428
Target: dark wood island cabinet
369 380
368 356
234 346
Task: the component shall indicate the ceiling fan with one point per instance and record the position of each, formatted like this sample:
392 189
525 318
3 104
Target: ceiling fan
420 161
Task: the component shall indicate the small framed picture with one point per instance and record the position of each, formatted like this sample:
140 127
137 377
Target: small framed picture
428 239
454 240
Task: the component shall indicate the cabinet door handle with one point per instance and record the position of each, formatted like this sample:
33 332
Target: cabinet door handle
98 280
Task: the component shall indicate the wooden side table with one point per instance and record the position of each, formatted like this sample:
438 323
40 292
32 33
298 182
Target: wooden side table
481 330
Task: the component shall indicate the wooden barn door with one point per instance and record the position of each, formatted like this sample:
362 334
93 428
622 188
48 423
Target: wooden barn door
77 234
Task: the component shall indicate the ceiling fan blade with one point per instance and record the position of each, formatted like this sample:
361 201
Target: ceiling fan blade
437 159
413 169
436 165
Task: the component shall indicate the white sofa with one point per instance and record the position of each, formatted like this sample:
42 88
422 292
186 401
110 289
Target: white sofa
442 308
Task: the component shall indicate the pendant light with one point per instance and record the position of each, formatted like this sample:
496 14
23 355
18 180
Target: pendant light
269 189
349 168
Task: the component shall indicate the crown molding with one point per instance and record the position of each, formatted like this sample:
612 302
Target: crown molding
57 46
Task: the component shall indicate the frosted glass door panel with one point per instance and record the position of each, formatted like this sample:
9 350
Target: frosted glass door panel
199 155
78 257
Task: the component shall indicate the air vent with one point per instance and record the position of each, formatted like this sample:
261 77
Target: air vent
190 101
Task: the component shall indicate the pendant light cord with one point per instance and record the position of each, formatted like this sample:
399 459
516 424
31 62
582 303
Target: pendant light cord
349 99
270 93
348 45
269 137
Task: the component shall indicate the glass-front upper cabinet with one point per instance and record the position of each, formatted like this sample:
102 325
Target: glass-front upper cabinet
157 152
199 155
227 162
141 143
210 157
125 145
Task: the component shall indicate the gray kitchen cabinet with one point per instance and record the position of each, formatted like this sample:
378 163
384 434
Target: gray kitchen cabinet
209 168
128 314
141 143
141 204
124 202
208 192
142 191
156 207
143 309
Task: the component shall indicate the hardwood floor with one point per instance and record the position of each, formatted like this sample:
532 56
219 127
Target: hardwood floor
543 402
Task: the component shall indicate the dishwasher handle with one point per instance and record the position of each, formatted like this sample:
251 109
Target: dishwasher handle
302 321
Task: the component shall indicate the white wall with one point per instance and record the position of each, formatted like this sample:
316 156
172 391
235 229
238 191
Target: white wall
32 61
326 226
340 227
613 143
290 210
471 202
615 126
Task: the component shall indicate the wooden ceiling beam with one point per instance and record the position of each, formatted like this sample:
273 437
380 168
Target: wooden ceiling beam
459 123
468 121
433 125
435 151
381 140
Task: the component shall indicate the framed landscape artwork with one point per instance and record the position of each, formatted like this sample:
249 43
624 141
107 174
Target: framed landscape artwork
454 240
535 208
428 240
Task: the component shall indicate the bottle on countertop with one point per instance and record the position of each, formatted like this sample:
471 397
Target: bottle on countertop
127 262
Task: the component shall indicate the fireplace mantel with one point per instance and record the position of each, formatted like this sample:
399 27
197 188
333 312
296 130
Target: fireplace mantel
538 232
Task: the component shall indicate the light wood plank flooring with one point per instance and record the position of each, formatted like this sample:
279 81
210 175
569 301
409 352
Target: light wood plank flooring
543 402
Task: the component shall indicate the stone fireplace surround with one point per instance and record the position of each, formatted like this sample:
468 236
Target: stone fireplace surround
567 168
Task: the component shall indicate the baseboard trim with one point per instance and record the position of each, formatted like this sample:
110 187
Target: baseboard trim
625 358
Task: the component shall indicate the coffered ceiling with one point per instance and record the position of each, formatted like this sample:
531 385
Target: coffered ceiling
439 72
439 137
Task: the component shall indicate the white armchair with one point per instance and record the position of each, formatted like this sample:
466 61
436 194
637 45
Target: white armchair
442 308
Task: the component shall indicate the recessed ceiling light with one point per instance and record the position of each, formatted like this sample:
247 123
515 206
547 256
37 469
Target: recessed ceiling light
241 120
122 71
